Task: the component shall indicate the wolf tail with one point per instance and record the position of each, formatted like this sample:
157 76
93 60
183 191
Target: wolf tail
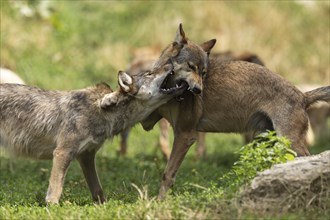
319 94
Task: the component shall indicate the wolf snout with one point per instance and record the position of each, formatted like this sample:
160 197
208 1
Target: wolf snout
197 90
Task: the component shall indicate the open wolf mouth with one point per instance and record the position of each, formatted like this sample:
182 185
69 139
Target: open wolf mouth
168 88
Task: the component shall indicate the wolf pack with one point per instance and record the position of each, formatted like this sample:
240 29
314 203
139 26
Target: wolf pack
185 85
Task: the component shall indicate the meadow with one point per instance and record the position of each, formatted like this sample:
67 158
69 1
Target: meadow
82 43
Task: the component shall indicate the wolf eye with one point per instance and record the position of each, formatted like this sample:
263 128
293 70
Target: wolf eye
191 66
148 73
204 72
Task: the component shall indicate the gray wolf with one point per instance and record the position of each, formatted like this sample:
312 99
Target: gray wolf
234 96
67 125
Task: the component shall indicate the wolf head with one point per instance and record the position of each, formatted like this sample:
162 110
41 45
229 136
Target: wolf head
189 61
147 87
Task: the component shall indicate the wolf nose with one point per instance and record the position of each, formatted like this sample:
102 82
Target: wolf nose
196 90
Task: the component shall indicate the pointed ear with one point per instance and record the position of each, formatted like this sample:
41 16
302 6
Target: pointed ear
180 37
109 100
208 45
124 81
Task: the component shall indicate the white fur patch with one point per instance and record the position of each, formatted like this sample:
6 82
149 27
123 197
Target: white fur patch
109 99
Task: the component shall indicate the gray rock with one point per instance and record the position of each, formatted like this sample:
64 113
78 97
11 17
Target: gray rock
300 183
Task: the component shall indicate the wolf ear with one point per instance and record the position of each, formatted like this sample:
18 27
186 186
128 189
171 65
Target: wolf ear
109 100
180 37
124 81
208 45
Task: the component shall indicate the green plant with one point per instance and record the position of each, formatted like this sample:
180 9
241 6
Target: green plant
266 150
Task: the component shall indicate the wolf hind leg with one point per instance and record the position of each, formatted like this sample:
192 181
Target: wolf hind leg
258 123
295 129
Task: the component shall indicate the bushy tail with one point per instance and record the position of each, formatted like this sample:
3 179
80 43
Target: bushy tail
319 94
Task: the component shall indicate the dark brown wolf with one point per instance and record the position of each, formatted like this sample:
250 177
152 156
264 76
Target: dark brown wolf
233 96
176 53
144 58
64 125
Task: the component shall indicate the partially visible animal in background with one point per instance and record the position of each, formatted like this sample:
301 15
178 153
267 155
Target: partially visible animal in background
244 56
143 59
8 76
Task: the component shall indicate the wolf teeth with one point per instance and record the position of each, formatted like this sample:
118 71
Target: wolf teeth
170 89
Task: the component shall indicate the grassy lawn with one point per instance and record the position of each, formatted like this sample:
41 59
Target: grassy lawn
131 185
24 183
85 42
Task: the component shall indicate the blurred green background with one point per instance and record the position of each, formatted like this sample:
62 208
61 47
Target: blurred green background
80 43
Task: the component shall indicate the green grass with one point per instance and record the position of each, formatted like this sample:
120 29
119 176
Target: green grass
198 193
85 42
24 183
